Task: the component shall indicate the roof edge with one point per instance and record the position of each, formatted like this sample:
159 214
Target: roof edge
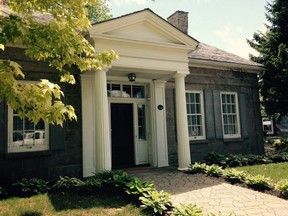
203 63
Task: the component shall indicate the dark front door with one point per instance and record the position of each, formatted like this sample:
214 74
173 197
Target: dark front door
122 135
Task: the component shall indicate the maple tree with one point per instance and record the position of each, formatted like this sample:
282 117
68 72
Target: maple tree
59 41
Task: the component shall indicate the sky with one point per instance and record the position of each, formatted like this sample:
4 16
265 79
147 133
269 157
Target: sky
225 24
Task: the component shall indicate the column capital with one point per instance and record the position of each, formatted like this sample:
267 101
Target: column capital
93 71
180 74
104 69
159 81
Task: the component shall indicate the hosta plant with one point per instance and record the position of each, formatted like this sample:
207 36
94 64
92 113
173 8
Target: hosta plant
258 182
187 210
31 186
67 183
214 170
158 202
139 187
282 186
234 176
197 168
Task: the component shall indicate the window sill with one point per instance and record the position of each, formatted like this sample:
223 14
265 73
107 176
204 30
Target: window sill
28 154
240 139
196 142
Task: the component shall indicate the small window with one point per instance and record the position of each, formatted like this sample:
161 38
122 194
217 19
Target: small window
195 115
25 136
141 122
125 90
230 115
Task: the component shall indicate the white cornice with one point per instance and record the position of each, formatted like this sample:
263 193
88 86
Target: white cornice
146 43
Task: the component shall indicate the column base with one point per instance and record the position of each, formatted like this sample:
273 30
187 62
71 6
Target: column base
183 169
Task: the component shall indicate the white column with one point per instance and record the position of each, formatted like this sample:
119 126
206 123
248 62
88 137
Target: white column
184 158
88 126
159 125
102 127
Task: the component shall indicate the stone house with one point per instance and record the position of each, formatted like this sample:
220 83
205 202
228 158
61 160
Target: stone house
187 99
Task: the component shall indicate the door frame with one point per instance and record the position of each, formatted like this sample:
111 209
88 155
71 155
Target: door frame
134 102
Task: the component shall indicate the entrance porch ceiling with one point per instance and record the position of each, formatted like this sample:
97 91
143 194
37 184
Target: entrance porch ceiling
122 73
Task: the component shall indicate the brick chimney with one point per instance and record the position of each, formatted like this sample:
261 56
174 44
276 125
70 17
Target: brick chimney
179 19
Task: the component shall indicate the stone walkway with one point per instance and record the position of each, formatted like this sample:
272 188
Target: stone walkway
214 195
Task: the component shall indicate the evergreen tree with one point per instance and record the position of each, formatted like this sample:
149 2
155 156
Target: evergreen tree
273 54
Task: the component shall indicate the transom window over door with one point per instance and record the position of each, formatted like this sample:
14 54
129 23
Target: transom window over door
25 136
230 115
195 115
125 90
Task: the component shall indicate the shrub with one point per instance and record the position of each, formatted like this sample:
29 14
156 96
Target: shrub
197 168
258 182
31 186
216 158
237 160
187 210
283 143
158 202
3 192
234 176
66 183
278 157
214 170
282 186
245 160
269 141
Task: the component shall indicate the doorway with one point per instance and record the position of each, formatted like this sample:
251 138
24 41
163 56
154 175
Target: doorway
122 135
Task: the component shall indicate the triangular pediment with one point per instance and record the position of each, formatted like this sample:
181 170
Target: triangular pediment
143 26
143 31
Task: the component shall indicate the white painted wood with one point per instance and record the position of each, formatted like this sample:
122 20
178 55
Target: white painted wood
144 41
149 22
159 126
141 146
146 56
153 49
184 157
88 142
102 126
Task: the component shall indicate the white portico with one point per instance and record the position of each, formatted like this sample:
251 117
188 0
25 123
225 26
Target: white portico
124 123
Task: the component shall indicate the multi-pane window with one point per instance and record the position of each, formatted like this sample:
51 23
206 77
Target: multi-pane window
125 90
25 136
230 115
141 122
195 115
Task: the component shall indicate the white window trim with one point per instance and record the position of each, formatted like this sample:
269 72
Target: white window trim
237 135
22 149
203 137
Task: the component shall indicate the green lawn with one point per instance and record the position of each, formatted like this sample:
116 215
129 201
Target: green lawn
60 205
275 171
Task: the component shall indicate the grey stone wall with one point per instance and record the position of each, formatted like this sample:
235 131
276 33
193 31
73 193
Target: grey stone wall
211 82
64 161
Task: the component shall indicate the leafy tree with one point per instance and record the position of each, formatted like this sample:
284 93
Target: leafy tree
60 41
98 12
273 49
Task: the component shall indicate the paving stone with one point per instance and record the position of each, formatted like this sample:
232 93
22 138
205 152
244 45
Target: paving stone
213 195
